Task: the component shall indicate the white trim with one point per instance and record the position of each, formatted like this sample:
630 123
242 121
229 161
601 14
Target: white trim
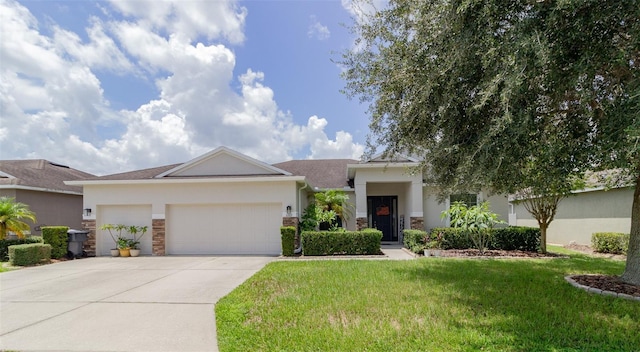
90 217
223 150
186 180
40 189
362 215
158 216
351 168
294 214
399 155
417 214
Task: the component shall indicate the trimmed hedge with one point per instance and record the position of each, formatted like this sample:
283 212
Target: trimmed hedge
503 238
414 240
29 254
365 242
288 234
57 237
610 242
516 238
4 245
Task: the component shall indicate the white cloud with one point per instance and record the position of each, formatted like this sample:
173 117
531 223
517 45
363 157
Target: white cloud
361 9
317 30
53 105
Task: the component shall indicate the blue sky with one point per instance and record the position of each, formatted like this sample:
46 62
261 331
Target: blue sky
107 87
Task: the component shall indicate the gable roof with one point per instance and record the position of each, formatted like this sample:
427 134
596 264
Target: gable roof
320 173
223 161
39 175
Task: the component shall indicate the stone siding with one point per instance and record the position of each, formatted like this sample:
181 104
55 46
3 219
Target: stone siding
158 237
417 223
89 245
361 223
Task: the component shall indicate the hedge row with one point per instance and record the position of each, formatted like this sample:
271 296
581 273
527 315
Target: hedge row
610 242
504 238
288 234
57 237
365 242
29 254
5 243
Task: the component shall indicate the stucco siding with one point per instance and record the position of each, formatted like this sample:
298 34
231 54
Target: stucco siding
582 214
52 209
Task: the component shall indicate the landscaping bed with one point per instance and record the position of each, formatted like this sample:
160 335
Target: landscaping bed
607 283
496 253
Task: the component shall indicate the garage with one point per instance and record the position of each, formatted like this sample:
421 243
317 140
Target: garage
247 228
138 215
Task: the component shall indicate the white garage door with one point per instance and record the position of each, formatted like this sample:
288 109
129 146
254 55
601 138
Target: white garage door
139 215
223 228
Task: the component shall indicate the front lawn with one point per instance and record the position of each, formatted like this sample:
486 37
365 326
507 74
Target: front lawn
426 305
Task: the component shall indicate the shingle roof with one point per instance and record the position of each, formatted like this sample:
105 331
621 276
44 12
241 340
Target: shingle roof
143 174
40 173
321 173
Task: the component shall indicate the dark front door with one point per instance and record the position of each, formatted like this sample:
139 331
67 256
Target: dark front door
382 215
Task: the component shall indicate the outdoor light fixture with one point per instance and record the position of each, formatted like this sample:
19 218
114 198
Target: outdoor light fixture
87 212
289 210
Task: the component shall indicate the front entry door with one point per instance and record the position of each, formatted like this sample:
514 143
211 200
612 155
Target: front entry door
382 215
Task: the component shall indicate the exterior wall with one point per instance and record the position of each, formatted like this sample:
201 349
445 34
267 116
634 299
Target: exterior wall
351 221
52 209
158 196
582 214
499 204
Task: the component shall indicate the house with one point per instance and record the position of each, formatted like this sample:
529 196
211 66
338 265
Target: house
224 202
594 209
40 184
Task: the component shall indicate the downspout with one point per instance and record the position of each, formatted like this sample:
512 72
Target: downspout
299 249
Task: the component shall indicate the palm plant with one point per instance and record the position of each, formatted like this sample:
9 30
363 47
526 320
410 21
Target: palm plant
336 201
12 214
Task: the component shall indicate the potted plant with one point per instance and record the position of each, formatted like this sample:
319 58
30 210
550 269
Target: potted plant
135 241
124 246
436 245
111 227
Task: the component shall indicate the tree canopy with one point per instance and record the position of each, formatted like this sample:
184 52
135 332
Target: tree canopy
511 94
12 214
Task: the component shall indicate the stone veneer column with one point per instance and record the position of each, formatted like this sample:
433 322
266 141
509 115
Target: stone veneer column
292 221
361 223
157 236
417 223
89 245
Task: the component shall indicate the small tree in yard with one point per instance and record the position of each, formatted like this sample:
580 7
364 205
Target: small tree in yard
477 221
11 215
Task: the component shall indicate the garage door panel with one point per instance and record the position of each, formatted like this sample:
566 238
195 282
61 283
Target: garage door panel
139 215
224 228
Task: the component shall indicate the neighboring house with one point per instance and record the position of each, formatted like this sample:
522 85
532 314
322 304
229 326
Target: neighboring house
40 184
583 213
225 202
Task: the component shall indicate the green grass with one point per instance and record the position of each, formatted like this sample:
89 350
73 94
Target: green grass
426 305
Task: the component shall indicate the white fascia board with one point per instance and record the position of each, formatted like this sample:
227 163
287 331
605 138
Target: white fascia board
186 180
4 174
515 198
378 165
40 189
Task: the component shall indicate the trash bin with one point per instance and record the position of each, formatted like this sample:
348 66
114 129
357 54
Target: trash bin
76 241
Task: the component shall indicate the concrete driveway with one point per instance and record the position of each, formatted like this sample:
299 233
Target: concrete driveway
119 304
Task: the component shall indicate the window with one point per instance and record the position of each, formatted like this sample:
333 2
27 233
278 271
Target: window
469 199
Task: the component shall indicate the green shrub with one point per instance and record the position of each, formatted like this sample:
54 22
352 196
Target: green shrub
57 237
288 234
5 243
504 238
362 242
452 238
515 238
415 240
610 242
29 254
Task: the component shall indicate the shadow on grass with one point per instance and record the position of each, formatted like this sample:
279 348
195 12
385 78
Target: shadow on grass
528 304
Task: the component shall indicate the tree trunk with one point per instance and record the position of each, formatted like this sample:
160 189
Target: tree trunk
543 237
632 270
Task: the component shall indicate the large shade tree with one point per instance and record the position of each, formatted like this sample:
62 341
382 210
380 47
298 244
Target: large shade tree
521 96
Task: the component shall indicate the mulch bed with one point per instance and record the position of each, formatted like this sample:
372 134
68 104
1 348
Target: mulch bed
496 253
607 283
